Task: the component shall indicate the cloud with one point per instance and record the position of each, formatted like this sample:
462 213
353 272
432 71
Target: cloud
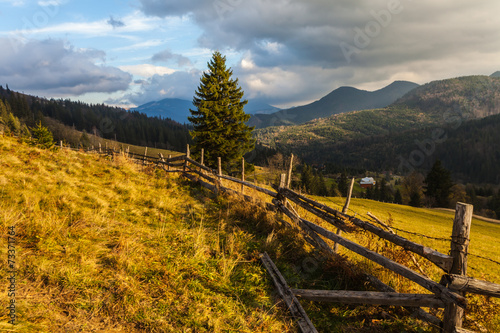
147 70
167 55
357 42
51 67
180 84
115 23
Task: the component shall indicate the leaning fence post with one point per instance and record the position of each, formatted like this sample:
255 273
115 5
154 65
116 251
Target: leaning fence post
453 314
344 210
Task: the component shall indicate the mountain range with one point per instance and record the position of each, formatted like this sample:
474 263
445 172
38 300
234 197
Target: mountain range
341 100
178 109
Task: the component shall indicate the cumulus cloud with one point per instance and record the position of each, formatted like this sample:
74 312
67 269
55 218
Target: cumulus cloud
51 67
181 84
167 55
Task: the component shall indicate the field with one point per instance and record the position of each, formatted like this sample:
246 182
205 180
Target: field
103 245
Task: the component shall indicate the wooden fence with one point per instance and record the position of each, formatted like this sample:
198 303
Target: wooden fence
448 293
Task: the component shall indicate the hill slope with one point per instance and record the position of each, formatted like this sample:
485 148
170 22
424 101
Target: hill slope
103 247
343 99
375 138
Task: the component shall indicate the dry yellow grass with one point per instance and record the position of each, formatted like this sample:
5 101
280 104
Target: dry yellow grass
103 246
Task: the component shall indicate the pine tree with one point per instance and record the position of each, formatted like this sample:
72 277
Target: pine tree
342 185
398 198
438 185
42 136
306 178
219 119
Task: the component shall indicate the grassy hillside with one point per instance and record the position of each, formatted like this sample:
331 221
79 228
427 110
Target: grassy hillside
103 246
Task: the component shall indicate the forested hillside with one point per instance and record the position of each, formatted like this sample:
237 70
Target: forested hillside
99 119
441 119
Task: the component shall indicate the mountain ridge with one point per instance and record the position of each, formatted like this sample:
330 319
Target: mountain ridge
340 100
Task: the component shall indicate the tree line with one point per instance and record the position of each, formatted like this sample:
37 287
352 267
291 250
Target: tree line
24 111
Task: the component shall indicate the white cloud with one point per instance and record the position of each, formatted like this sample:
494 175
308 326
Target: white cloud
147 70
180 84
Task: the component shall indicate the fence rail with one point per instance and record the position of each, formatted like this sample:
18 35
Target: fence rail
449 293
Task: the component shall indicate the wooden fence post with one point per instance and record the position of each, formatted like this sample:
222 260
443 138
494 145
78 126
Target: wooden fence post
100 151
453 315
145 155
188 155
219 166
61 144
242 174
168 162
344 210
282 180
290 167
202 156
218 181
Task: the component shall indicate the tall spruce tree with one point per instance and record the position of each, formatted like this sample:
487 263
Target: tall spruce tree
438 185
219 120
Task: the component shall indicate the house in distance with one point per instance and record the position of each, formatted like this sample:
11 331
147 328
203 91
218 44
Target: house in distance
367 182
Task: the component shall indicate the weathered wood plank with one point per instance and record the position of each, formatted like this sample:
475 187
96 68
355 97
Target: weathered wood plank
471 285
287 295
318 241
325 216
425 282
439 259
255 187
370 297
199 165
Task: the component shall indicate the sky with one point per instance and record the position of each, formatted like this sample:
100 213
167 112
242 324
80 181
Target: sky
283 52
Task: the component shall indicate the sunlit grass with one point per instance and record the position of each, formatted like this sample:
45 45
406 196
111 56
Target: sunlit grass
103 246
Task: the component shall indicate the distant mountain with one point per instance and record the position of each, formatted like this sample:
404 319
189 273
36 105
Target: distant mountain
178 109
173 108
343 99
257 106
496 74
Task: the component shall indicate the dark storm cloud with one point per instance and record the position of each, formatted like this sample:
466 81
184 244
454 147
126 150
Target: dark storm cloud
308 32
51 67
